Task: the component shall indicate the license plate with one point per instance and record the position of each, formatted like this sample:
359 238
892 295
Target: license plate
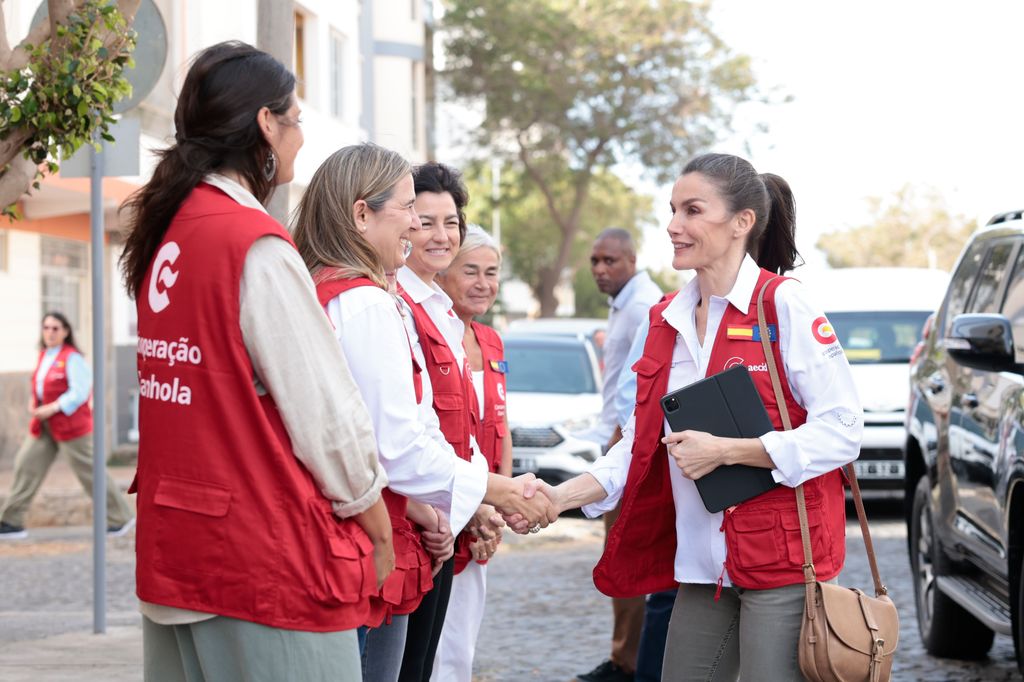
876 469
523 464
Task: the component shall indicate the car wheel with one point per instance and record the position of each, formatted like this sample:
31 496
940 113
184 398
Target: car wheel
946 629
1018 630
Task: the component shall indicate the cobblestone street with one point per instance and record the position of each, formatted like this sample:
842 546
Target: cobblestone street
545 621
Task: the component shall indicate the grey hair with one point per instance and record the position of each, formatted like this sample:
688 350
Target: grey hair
477 238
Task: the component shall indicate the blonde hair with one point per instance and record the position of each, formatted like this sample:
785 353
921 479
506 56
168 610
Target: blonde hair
324 229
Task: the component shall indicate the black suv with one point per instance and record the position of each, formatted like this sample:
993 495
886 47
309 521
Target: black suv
963 454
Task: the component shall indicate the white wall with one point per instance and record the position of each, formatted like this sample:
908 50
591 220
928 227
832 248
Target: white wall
21 293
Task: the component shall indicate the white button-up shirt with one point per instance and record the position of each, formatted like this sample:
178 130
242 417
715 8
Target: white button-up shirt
420 463
820 379
629 309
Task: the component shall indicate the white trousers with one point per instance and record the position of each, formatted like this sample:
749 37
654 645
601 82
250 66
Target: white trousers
454 659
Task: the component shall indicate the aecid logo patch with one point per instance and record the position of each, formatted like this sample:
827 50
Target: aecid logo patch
163 275
823 332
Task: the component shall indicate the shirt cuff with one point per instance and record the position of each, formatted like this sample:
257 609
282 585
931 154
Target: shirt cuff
595 509
468 493
67 404
343 510
789 464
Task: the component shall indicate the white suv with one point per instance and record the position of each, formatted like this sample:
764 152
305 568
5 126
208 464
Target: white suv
878 315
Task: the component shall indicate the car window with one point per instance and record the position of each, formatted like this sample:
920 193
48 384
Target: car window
878 337
1013 306
548 369
993 274
960 285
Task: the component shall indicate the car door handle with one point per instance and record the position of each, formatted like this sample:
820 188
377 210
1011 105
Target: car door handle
969 400
936 384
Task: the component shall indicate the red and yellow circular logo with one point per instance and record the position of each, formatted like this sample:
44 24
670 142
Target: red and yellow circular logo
823 332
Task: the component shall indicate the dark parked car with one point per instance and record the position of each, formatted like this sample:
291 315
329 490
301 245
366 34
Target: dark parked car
963 453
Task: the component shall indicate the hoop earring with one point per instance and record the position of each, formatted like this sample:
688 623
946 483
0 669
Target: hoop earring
270 166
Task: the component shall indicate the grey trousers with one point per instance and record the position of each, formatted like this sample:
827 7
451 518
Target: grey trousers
228 650
33 461
750 635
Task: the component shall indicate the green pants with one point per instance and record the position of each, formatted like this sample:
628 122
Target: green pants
33 461
228 649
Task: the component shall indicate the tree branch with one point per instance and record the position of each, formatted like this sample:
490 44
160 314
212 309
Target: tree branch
536 176
16 180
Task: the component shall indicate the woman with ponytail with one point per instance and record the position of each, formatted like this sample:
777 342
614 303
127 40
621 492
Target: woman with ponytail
739 573
261 532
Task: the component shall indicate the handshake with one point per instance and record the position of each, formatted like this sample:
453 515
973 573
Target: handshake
526 503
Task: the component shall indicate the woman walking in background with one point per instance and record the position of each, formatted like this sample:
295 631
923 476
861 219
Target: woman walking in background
471 281
61 423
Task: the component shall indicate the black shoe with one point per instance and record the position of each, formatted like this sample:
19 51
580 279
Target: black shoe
118 531
606 672
9 532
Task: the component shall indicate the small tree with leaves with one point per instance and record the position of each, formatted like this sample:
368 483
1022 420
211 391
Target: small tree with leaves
575 86
58 87
911 228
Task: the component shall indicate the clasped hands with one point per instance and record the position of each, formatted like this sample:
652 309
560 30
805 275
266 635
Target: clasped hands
526 511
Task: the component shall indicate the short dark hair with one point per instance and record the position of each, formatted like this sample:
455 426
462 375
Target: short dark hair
620 235
439 178
772 241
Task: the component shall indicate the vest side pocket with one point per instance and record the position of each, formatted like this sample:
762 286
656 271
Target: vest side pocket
754 537
341 569
450 406
180 501
794 544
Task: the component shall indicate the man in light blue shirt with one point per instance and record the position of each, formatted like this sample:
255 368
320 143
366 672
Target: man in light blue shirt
631 295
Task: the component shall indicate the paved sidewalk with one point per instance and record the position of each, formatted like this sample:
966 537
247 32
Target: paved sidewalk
115 656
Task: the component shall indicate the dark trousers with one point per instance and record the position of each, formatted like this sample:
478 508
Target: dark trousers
652 638
425 628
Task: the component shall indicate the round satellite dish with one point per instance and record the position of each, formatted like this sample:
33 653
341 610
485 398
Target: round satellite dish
150 52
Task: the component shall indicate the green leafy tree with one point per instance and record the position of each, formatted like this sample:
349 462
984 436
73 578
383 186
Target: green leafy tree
58 86
574 87
912 228
529 241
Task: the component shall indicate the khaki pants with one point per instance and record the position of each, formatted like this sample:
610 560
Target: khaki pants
627 618
32 463
221 649
745 635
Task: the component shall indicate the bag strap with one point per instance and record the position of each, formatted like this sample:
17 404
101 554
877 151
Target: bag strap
801 505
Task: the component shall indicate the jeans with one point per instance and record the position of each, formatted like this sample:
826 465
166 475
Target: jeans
382 651
652 637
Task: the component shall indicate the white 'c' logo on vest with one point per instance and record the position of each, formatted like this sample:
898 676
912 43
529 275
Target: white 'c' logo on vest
162 274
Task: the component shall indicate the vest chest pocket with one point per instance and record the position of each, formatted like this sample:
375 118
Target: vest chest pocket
451 410
646 369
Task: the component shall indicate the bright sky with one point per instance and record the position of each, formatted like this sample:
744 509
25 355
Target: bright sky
885 93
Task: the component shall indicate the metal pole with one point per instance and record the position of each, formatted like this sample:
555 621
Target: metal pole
275 30
99 364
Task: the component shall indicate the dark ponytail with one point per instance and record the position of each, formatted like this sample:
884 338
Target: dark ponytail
772 241
216 129
775 248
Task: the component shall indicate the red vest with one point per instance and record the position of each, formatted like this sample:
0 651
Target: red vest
229 521
403 590
63 427
490 432
762 534
454 397
491 429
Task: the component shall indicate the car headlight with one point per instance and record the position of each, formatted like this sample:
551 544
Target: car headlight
579 423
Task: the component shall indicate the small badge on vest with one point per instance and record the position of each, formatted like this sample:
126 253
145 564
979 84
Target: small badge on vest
499 366
751 333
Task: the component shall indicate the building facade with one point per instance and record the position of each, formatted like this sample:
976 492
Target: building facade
360 66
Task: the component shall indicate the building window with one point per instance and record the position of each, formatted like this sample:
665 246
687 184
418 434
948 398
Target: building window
299 54
414 108
3 250
64 265
337 74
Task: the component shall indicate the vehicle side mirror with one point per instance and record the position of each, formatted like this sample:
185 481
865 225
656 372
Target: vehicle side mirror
982 342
